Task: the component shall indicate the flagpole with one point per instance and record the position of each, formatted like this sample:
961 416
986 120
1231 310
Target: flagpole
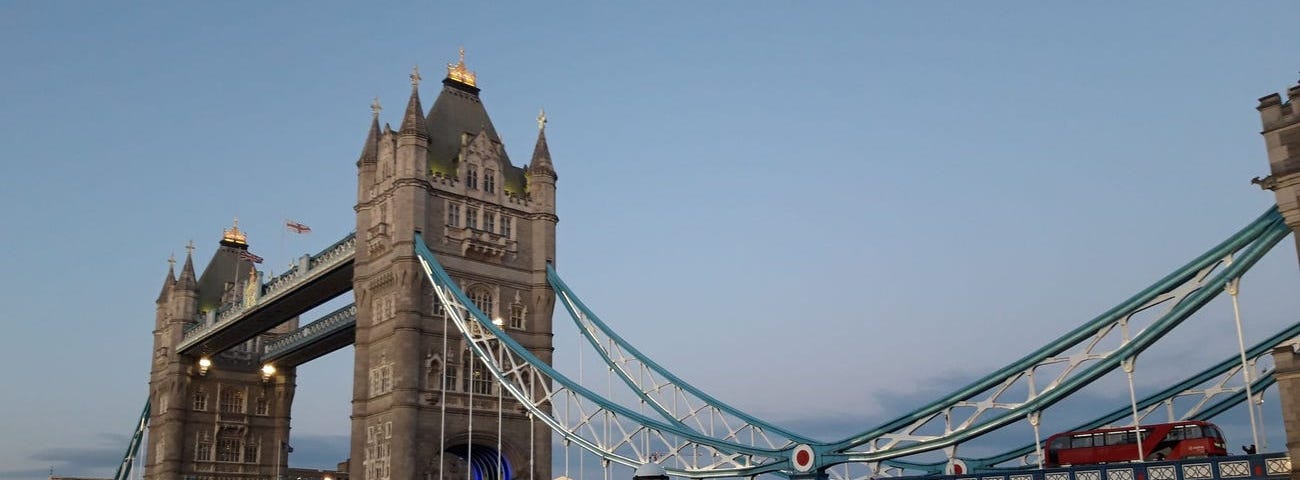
280 254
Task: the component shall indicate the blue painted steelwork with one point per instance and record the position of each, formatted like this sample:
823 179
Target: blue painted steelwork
309 269
133 448
514 366
652 392
327 325
1250 245
1222 371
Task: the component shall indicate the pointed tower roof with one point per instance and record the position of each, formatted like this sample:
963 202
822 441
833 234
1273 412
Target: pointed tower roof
170 282
413 120
229 266
187 279
457 111
370 151
541 162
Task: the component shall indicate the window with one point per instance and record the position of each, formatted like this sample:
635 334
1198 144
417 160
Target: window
471 178
489 222
232 400
471 218
483 299
453 215
505 226
381 380
250 451
200 400
451 379
1115 438
516 316
203 447
1080 442
489 182
262 406
482 383
437 309
228 449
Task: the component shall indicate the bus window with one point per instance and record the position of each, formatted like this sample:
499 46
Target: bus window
1212 432
1116 438
1175 434
1081 442
1192 432
1060 443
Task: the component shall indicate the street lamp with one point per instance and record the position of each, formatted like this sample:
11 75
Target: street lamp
204 364
267 371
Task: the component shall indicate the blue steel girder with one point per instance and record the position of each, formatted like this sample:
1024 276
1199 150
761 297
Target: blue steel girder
614 432
314 281
1184 291
133 447
1209 389
314 340
674 399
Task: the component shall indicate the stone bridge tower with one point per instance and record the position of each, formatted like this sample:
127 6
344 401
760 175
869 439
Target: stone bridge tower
218 416
446 176
1281 132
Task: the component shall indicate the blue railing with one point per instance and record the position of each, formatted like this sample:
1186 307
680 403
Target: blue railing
1269 465
308 268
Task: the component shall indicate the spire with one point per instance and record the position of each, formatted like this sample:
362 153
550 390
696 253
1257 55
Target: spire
541 162
370 152
188 280
170 281
413 119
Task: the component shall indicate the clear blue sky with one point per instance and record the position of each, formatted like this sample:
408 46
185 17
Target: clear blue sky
821 212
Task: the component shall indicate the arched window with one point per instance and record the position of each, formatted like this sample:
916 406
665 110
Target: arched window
482 298
489 181
471 178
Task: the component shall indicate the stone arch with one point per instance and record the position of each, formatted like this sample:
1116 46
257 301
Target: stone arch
482 458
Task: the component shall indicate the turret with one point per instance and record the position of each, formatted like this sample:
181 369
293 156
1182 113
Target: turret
1281 122
169 282
413 136
185 293
541 171
367 162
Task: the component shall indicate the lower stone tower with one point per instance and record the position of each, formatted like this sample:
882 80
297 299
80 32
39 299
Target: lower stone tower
219 416
421 405
1281 132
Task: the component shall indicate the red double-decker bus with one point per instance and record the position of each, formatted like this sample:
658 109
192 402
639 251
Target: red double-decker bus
1165 441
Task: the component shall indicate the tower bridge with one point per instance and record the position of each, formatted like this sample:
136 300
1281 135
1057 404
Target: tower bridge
454 278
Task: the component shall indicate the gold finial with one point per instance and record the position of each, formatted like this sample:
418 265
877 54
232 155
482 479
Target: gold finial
375 108
459 73
233 235
171 261
189 248
541 119
415 76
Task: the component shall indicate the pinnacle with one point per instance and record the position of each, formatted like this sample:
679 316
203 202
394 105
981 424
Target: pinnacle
370 151
541 155
170 282
413 120
188 281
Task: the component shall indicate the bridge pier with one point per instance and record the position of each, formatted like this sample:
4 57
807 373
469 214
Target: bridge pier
1281 122
1287 372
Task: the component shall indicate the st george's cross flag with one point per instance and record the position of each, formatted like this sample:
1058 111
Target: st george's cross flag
296 227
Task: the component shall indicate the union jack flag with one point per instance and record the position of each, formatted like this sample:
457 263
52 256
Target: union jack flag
247 255
296 227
